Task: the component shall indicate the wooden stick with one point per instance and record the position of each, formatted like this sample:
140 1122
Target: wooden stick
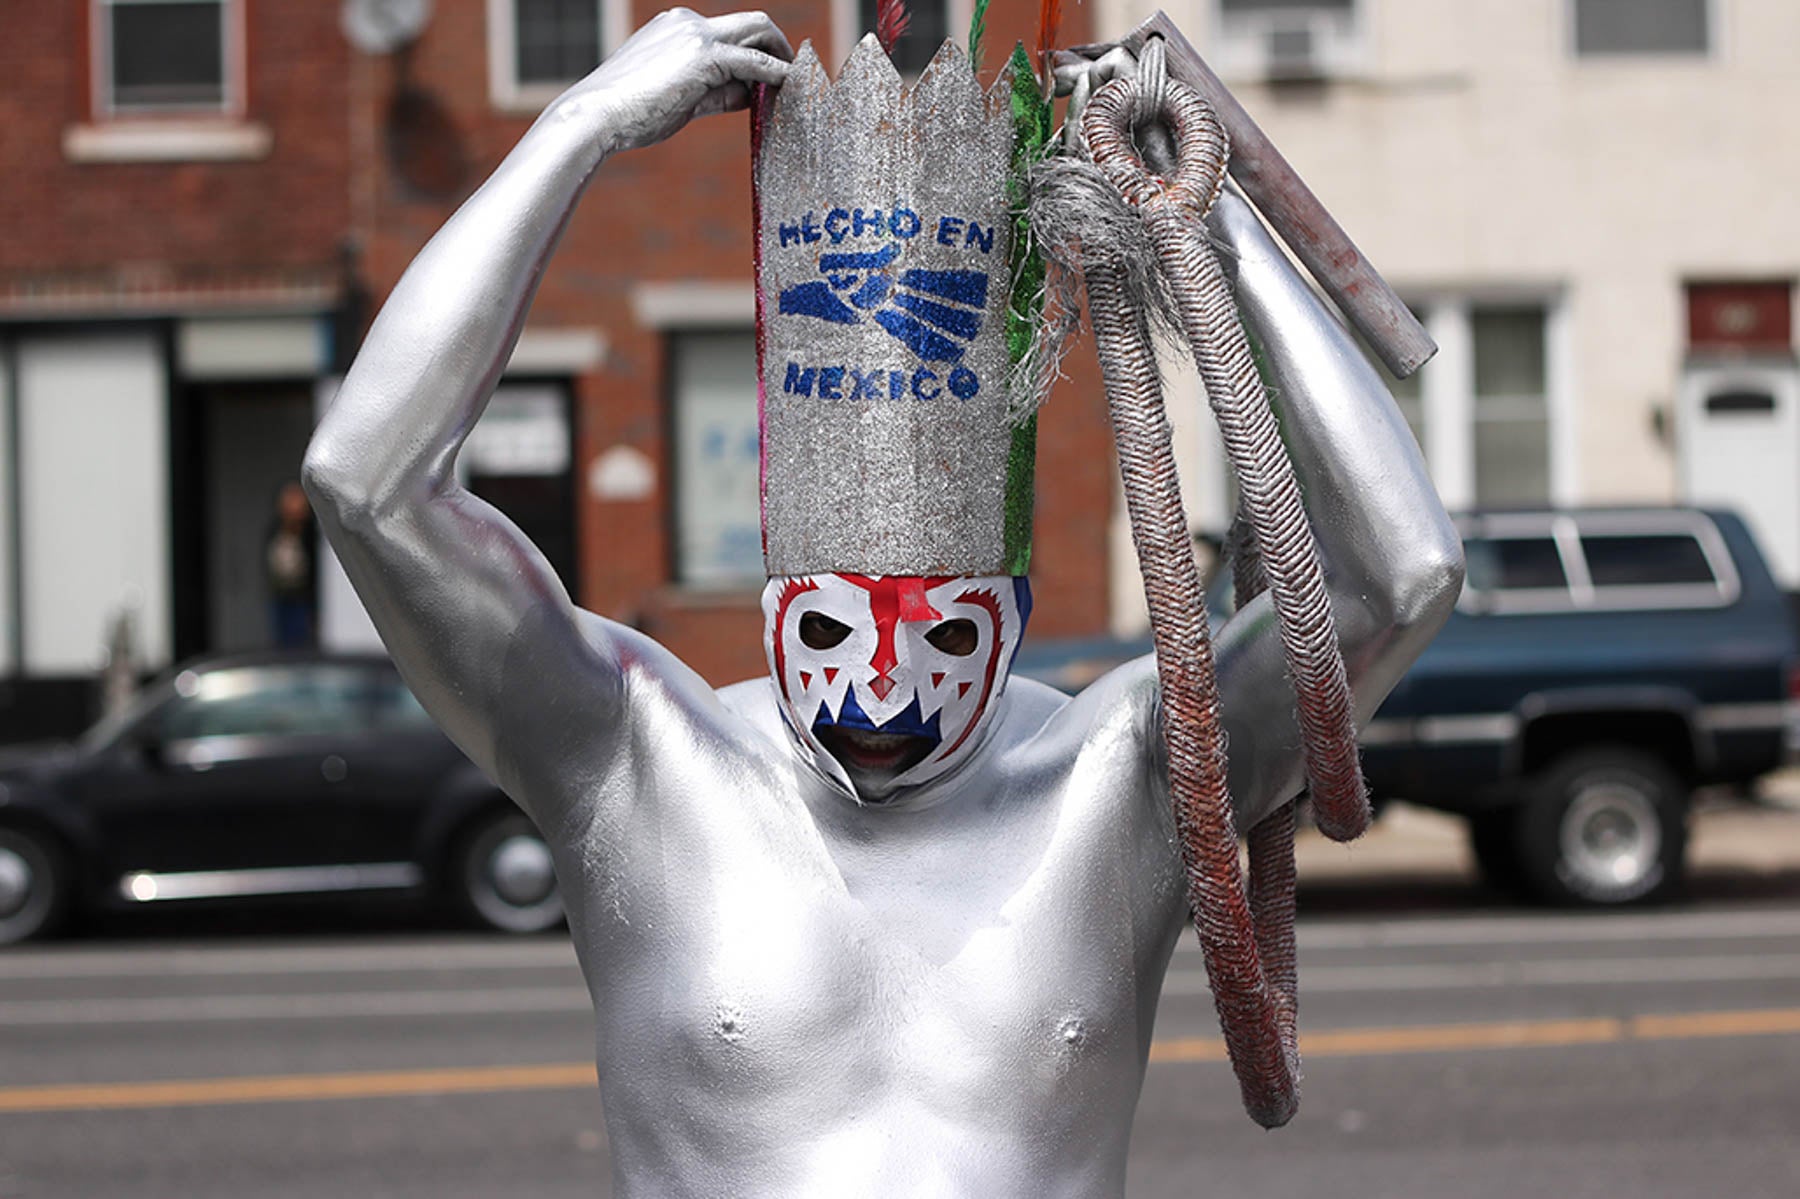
1296 215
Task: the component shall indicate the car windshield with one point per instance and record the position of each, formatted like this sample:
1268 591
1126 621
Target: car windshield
269 700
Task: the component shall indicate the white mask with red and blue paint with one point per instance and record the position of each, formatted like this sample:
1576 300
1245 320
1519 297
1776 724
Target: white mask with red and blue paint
896 678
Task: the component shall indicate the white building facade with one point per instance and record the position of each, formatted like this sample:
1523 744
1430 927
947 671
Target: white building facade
1589 204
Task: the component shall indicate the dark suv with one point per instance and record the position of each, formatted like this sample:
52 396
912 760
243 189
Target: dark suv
1600 666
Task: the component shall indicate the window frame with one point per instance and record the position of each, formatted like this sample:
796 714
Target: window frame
679 467
505 90
1714 10
233 66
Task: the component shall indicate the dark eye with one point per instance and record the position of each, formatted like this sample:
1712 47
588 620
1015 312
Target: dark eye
818 631
957 637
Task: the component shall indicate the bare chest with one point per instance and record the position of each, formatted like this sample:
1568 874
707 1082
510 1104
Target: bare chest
967 974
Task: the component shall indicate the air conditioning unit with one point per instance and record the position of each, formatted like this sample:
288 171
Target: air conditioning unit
1292 52
1288 45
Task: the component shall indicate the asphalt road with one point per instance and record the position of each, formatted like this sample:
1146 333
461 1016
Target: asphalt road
1469 1054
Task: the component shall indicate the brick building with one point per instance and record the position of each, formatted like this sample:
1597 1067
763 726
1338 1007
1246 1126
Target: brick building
205 201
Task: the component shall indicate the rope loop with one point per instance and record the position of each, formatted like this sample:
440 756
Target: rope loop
1246 933
1120 110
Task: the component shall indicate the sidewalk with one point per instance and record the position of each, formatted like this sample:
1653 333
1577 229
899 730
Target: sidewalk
1731 837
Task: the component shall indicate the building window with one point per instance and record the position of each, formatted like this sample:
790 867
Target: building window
718 485
164 55
1512 408
925 32
556 41
536 48
1487 410
1620 27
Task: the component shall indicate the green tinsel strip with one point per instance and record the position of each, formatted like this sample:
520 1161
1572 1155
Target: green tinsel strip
1031 114
977 30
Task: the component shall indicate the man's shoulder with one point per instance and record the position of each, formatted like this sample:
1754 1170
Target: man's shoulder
1126 693
754 701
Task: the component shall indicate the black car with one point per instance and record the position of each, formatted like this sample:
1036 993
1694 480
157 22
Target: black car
262 776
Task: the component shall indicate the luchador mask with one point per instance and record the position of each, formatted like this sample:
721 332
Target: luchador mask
895 677
895 296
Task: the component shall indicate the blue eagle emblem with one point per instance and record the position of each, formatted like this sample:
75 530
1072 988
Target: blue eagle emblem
932 313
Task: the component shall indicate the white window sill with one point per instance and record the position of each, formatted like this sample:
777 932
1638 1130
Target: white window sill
527 99
687 305
167 141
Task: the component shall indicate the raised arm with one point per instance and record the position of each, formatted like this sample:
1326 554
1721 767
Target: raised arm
473 615
1392 559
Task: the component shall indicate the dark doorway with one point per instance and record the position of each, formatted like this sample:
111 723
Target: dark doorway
253 437
519 459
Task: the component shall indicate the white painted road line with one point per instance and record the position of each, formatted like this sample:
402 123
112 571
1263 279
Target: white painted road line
1314 980
1556 972
234 960
342 1005
229 960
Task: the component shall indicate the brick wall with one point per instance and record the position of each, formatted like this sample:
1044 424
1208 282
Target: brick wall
144 222
334 176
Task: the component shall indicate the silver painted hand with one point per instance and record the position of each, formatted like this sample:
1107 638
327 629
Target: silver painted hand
680 66
480 626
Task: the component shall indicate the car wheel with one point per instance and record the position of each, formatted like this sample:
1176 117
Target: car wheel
34 885
1604 826
504 876
1494 840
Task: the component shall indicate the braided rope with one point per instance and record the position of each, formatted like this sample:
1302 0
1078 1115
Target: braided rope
1247 938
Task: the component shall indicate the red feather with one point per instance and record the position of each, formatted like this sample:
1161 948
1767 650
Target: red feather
891 19
1049 33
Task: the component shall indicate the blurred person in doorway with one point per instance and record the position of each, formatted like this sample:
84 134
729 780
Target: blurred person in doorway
289 566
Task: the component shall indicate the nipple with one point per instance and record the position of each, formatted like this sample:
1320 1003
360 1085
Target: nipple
729 1024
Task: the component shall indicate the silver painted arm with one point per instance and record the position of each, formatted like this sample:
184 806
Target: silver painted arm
479 624
1393 562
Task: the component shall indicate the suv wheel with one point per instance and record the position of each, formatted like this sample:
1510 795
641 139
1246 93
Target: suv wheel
504 877
1604 826
34 885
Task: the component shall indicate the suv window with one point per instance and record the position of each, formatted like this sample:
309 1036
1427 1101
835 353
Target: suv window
268 701
1514 564
1624 560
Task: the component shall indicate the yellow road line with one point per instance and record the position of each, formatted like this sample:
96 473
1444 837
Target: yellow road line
557 1076
280 1088
1716 1024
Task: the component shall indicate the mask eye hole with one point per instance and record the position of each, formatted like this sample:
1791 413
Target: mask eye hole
955 637
819 631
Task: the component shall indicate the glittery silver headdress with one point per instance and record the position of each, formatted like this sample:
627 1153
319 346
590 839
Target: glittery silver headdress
892 305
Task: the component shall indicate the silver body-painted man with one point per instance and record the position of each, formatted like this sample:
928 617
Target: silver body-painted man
950 991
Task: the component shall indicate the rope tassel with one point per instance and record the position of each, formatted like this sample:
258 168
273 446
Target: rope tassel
1246 934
